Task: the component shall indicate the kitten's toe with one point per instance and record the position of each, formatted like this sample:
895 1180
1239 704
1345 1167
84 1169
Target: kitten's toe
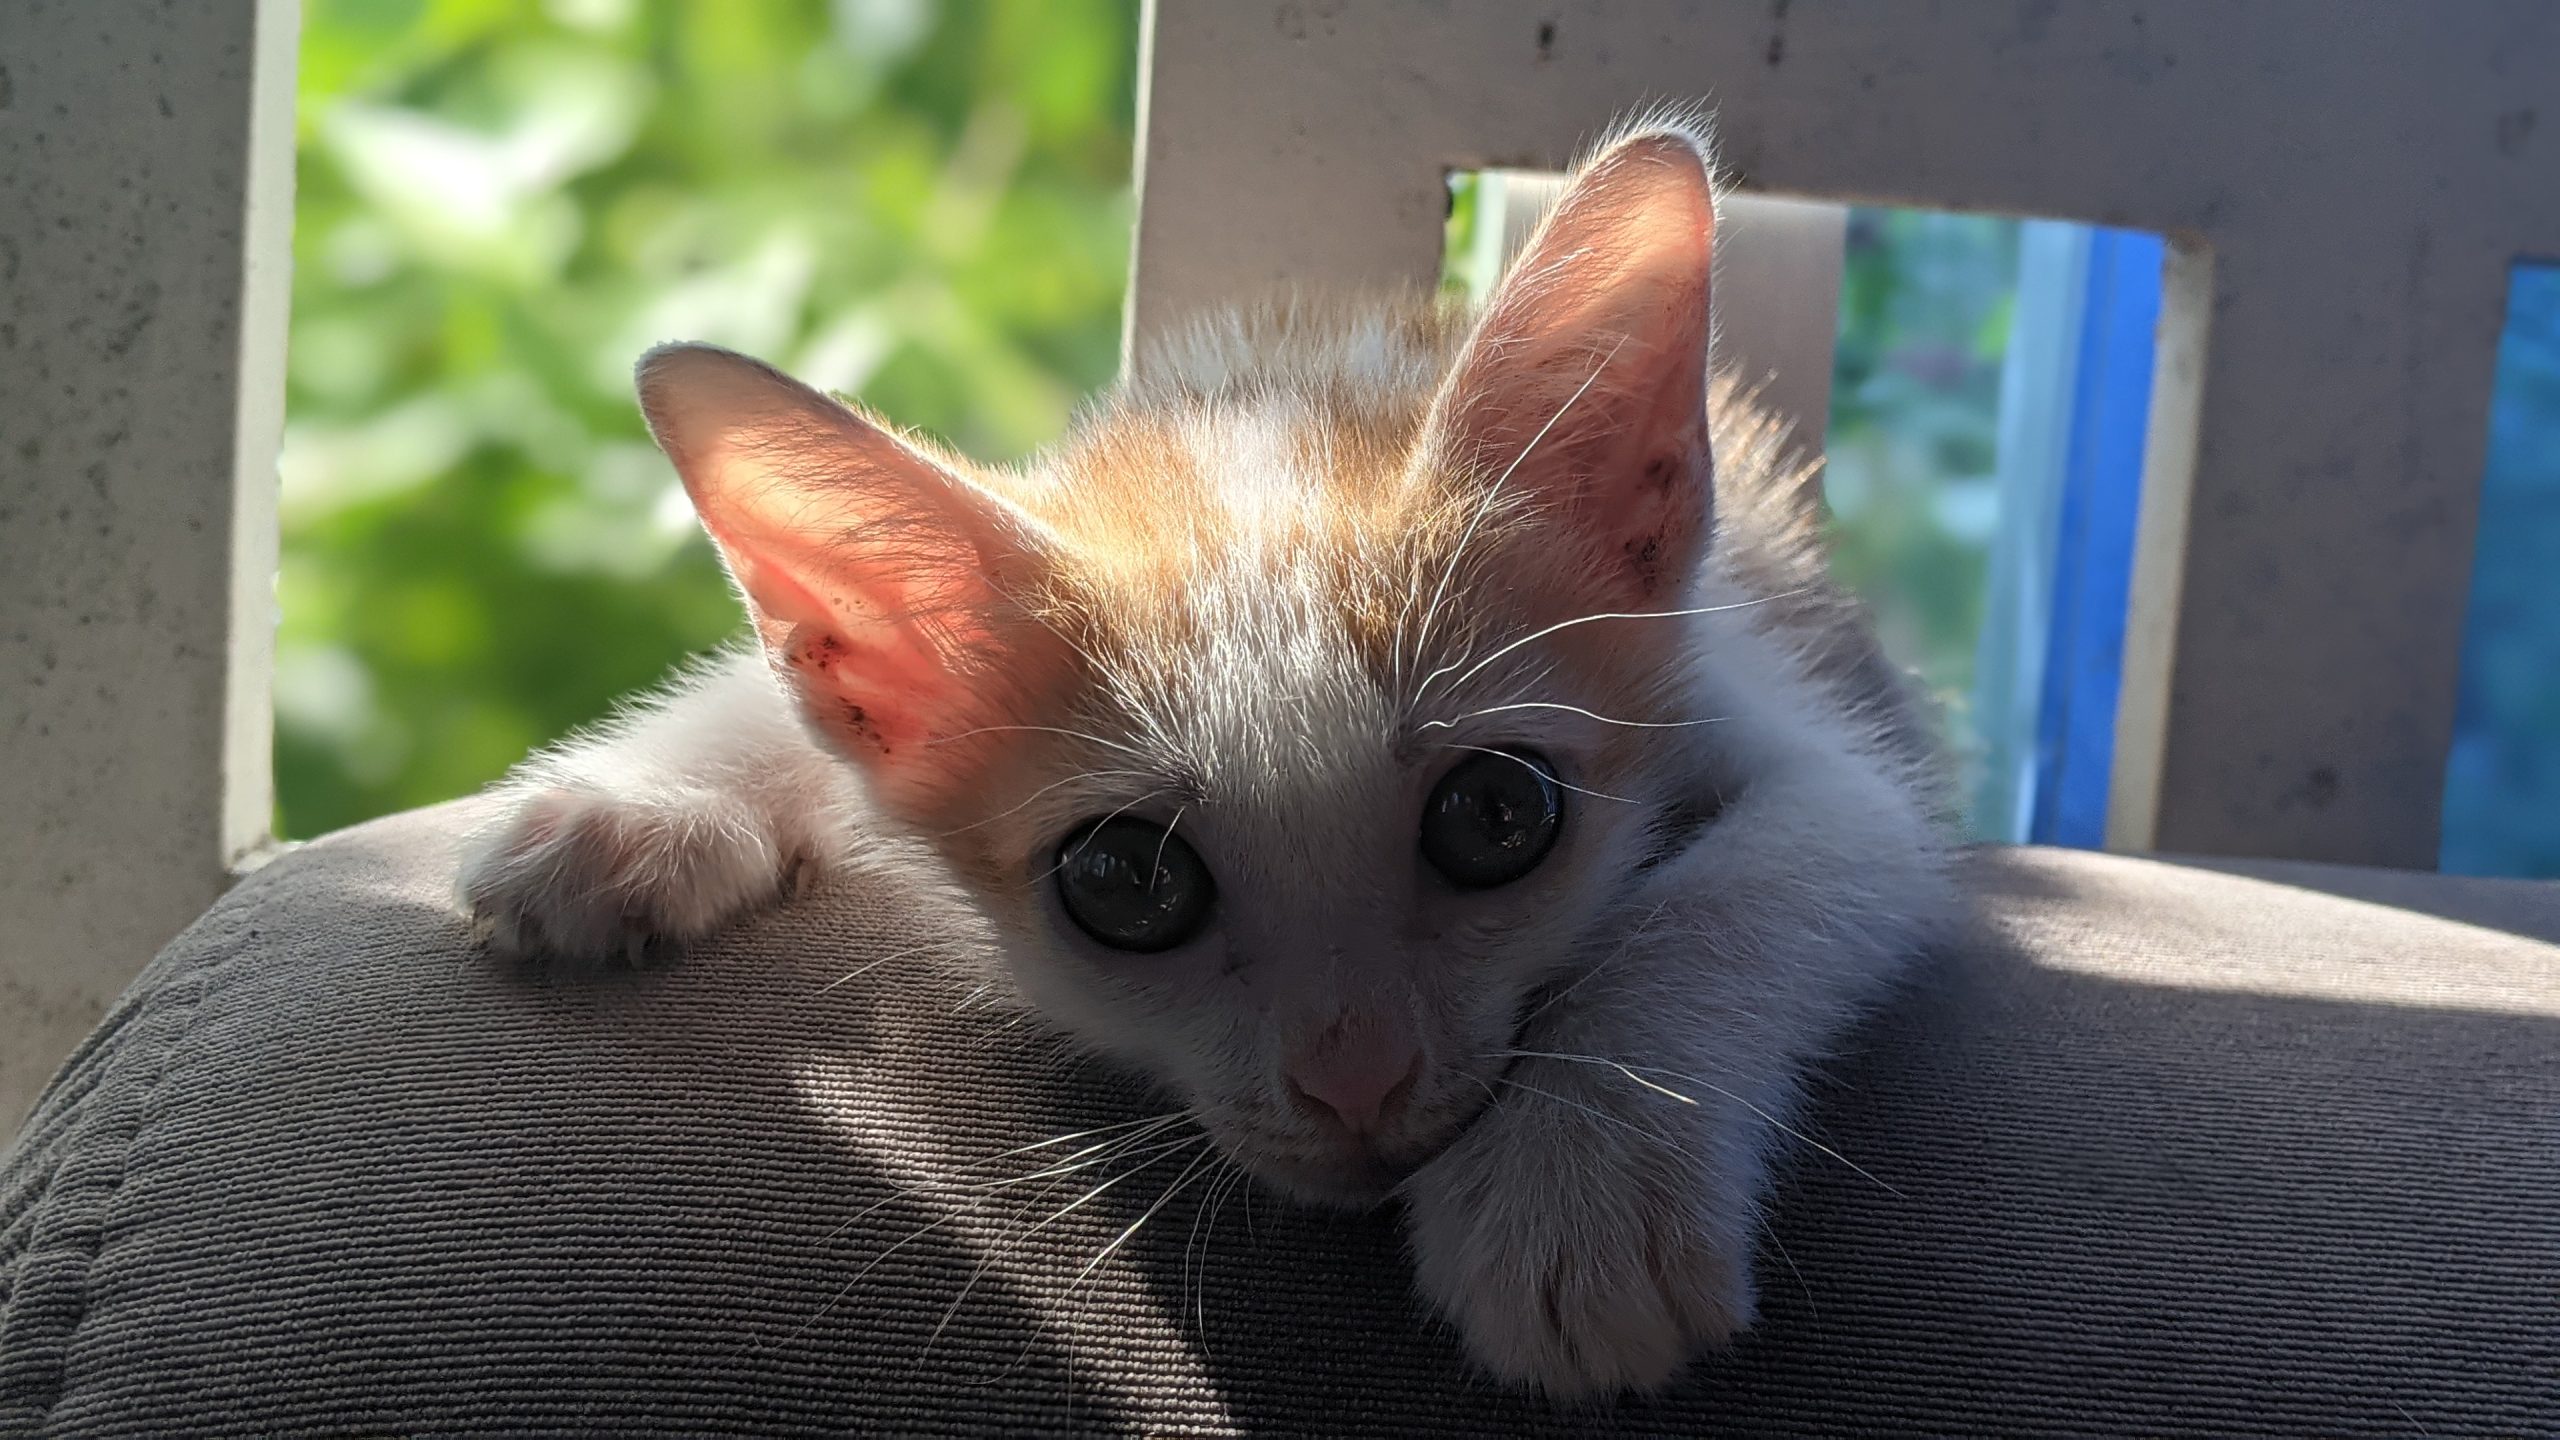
603 880
1575 1332
1612 1284
802 874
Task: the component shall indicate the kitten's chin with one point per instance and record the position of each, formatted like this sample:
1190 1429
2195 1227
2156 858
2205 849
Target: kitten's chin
1348 1179
1361 1184
1338 1172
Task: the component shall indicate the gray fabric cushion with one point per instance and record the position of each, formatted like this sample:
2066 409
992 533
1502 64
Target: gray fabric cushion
2165 1150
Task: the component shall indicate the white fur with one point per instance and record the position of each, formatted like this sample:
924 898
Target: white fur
662 824
1594 1233
1586 1233
1582 1185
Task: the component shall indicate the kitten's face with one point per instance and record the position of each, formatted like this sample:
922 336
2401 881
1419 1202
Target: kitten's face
1252 853
1289 720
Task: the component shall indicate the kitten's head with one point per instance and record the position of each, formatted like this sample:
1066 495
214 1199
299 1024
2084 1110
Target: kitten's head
1268 717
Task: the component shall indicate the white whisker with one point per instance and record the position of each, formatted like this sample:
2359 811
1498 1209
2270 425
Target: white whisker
925 1229
1021 1017
1043 790
1180 1183
1569 709
1128 1148
1157 867
1176 1188
864 969
1811 1308
1536 635
1549 776
1702 1084
1222 1181
1597 1113
1093 830
1484 507
978 1191
1159 1121
988 1261
1621 1069
1635 933
1103 741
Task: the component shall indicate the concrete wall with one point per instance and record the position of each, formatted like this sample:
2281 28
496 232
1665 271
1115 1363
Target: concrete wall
145 217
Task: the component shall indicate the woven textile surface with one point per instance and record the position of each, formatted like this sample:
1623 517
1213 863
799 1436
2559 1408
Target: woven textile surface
2266 1150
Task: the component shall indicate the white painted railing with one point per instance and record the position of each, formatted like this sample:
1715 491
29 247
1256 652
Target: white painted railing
2345 182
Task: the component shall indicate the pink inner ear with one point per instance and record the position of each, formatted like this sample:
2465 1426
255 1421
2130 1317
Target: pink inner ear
1586 379
865 562
882 700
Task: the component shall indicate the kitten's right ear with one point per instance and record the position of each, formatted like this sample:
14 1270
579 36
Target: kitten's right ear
1584 385
878 576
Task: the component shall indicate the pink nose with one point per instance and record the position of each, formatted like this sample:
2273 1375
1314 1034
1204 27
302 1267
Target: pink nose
1361 1075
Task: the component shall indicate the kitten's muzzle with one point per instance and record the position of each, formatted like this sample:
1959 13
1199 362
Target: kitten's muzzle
1340 1169
1357 1075
1362 1095
1370 1115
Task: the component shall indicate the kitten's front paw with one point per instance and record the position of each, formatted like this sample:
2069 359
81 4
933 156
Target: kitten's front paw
578 875
1579 1262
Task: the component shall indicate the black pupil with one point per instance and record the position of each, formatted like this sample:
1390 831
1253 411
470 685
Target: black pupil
1492 818
1133 885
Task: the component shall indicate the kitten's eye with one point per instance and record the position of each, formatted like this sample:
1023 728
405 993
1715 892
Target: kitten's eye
1133 885
1492 818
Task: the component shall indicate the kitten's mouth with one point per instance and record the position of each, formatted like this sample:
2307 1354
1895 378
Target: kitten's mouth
1366 1177
1541 998
1532 1005
1359 1183
1361 1177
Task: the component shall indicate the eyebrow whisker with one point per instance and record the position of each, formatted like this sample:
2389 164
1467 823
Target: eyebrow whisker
1535 635
1571 710
1548 775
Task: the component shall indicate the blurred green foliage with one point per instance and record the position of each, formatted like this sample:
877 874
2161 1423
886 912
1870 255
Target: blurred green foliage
501 204
1926 300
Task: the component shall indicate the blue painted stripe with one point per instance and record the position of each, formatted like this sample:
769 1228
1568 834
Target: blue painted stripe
2502 779
2093 569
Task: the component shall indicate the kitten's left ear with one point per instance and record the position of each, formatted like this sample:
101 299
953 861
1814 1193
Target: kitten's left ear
1583 387
879 576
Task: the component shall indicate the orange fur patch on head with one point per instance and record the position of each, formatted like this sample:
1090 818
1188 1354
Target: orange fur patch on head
1356 498
1282 478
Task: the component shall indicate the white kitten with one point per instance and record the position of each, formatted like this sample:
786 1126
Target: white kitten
1431 749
